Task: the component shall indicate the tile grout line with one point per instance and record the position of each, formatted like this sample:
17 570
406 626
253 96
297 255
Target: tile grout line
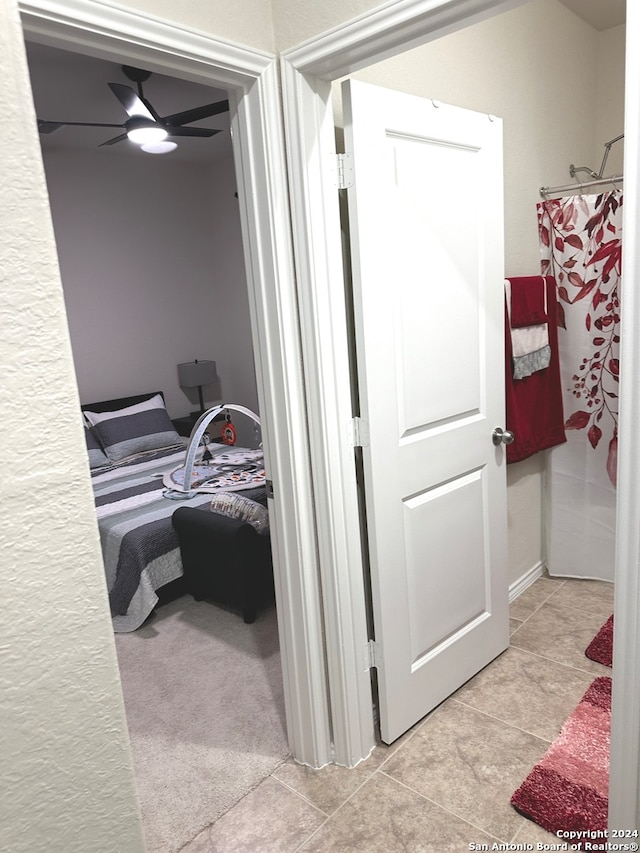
441 806
378 769
300 795
559 662
548 598
534 611
502 722
340 807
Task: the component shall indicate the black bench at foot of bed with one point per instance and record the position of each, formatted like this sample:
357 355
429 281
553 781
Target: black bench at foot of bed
224 559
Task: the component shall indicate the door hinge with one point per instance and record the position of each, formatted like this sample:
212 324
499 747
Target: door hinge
372 656
344 171
358 432
269 488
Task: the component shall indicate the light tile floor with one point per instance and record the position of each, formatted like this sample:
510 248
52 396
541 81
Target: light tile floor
446 784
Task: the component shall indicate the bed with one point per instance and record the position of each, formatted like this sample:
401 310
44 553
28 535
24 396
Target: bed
132 444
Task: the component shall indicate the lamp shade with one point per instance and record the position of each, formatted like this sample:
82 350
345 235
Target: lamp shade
192 374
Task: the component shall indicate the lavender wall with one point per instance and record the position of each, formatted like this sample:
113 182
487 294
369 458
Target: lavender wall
153 274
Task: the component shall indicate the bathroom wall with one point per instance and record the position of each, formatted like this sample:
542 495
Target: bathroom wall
557 84
610 99
295 22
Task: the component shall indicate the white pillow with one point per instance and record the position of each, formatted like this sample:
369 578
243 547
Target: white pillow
134 429
155 402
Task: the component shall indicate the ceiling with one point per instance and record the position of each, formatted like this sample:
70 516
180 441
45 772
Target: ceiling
601 14
73 87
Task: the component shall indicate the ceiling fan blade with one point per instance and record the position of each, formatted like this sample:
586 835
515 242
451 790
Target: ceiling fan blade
151 109
133 104
187 116
113 140
191 131
48 126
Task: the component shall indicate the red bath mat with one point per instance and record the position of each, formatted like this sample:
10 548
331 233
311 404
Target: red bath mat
600 649
568 789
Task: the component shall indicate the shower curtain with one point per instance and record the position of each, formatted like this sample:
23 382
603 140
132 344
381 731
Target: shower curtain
581 246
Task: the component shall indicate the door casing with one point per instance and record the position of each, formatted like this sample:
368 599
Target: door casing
250 76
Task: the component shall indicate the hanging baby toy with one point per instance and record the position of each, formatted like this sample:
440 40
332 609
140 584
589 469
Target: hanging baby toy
217 469
228 433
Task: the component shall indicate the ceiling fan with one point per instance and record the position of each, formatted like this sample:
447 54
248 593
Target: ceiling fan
144 125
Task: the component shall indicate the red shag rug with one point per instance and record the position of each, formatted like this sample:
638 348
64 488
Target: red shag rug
600 649
568 789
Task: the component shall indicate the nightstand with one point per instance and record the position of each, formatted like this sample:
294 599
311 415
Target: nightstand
183 426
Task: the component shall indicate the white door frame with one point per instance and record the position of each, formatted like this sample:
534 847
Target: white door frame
307 72
110 32
624 790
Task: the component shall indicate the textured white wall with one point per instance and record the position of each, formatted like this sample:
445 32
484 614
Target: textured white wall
247 22
153 274
295 22
67 780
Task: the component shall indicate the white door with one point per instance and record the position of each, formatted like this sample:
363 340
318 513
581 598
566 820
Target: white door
426 223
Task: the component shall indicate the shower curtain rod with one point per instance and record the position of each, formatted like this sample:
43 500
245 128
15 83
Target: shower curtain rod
545 192
598 179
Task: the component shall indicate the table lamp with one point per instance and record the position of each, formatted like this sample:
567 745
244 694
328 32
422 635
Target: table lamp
195 374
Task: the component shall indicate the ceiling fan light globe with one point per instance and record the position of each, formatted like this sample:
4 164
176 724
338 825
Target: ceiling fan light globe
159 147
147 135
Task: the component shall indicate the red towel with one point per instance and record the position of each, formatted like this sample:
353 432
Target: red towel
527 301
534 408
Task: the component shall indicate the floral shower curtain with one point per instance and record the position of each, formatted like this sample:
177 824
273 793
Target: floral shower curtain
581 246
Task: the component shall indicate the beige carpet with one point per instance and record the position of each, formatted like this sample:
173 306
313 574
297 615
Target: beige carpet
204 701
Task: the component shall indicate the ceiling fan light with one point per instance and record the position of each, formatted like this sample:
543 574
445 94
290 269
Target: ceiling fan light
159 147
147 135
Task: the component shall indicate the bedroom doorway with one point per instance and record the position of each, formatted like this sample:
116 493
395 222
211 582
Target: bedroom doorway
250 78
185 647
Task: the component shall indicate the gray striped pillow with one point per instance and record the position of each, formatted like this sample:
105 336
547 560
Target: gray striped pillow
145 426
97 457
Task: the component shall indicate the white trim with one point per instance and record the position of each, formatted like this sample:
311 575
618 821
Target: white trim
386 31
624 786
251 76
524 581
326 360
113 31
309 133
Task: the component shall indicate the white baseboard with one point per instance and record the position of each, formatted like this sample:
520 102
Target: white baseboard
519 586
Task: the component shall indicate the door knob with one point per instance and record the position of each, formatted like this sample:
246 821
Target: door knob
502 436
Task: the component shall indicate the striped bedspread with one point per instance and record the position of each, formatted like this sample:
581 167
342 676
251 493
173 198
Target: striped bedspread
139 545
